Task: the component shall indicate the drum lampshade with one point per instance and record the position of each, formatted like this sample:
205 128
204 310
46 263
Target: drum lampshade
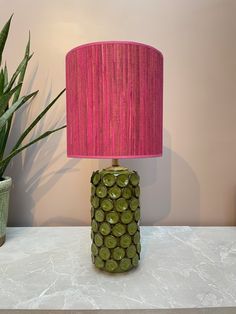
114 93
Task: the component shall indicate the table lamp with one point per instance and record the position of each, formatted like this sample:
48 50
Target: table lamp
114 110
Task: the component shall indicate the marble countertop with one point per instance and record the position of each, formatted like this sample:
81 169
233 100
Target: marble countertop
181 268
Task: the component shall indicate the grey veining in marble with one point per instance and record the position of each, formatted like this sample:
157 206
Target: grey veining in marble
181 267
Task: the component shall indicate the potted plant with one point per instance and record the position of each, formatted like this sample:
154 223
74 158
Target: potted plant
10 101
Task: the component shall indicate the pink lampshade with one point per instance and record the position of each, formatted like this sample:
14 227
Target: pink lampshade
114 94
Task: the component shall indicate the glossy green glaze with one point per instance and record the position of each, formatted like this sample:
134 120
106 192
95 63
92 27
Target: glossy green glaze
115 215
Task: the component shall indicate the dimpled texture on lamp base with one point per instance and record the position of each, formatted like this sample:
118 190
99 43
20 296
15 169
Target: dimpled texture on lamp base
115 215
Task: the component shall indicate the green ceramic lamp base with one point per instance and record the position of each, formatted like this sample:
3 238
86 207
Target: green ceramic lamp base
115 215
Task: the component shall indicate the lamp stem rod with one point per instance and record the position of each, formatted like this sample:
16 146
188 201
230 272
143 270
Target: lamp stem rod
115 162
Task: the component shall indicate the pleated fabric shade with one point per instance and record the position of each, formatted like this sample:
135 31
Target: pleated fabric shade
114 93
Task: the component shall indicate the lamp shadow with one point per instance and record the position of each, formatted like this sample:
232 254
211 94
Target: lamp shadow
170 191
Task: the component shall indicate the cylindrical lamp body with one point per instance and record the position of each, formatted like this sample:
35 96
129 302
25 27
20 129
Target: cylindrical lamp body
115 215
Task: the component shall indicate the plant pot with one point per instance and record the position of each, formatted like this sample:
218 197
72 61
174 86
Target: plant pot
5 186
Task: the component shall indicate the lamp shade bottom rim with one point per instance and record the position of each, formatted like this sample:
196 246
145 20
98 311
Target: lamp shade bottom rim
113 157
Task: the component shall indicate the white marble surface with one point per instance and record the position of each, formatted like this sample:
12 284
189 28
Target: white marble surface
181 267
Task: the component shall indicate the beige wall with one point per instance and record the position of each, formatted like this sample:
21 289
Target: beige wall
195 181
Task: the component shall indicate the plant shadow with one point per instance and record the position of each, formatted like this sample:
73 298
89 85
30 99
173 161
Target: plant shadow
28 169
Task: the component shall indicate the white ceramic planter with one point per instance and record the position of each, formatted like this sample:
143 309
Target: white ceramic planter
5 186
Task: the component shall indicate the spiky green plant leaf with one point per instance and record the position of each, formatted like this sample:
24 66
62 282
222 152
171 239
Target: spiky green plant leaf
38 118
8 114
3 37
10 102
27 57
2 137
5 75
19 69
4 163
1 82
4 100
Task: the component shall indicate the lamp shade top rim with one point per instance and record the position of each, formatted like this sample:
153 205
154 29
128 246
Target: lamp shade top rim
125 42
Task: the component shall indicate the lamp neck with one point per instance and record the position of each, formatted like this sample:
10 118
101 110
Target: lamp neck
115 166
115 162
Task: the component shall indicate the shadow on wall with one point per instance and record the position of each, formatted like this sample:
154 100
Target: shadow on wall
22 202
160 205
27 168
185 206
